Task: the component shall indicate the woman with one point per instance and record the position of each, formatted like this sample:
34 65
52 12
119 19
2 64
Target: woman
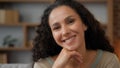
70 37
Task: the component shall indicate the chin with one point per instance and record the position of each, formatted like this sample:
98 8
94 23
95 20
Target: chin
72 48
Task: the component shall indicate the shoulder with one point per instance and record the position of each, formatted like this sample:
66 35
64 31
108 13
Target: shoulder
42 63
109 56
109 60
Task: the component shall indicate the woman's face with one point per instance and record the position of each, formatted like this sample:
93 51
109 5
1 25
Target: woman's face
67 28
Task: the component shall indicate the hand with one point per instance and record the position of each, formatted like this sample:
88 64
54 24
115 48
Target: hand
65 56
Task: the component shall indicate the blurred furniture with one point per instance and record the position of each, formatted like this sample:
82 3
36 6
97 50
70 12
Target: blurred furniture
15 65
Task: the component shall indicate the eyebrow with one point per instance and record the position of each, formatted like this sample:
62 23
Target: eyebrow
69 17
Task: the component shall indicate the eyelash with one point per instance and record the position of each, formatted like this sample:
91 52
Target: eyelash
70 21
56 27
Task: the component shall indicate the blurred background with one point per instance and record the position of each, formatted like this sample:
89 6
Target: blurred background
18 19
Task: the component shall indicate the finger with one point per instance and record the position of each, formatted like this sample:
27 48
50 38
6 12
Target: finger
77 56
79 59
62 59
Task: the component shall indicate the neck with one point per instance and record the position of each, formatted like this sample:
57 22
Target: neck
82 50
85 53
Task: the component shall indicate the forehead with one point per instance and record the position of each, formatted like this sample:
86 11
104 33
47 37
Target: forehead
61 11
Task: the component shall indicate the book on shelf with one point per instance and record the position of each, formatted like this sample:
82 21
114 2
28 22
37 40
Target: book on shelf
3 58
2 16
9 16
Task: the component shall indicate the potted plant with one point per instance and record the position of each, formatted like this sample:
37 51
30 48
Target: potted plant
9 41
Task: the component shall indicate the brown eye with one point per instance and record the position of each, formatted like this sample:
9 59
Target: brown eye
56 27
70 21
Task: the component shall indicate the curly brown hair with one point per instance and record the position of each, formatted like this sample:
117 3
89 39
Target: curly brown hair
45 45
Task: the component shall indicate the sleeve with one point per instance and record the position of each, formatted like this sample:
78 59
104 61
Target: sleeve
40 65
43 63
114 63
36 65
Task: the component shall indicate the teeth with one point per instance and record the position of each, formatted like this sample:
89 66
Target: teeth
69 40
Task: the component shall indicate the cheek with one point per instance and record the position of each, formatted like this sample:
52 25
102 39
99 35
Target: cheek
56 37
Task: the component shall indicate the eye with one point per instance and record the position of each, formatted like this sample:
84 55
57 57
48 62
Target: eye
70 21
56 27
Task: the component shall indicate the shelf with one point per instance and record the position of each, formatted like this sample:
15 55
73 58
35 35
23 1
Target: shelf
93 1
21 24
27 1
15 49
49 1
31 24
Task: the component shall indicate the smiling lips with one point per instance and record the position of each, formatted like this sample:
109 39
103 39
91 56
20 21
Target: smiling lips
69 40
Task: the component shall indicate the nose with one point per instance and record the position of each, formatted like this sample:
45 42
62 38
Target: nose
65 31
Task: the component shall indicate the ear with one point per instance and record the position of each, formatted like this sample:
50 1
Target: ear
84 27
